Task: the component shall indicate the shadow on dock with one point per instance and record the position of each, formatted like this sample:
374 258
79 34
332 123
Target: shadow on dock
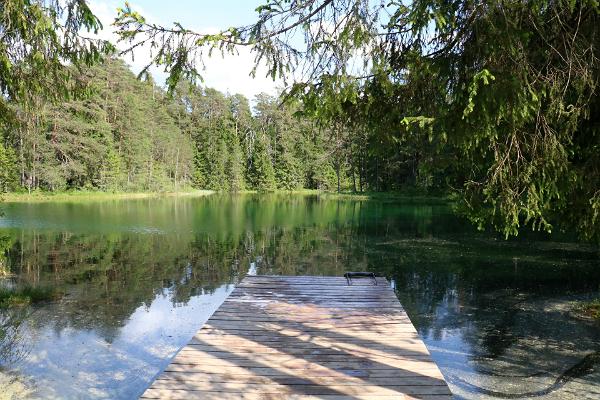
315 341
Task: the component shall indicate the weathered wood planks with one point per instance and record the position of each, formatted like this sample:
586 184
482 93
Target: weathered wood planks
293 337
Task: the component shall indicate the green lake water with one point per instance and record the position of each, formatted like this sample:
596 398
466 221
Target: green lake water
138 277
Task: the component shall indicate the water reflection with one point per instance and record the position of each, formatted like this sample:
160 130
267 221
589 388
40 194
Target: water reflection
502 328
15 346
83 358
139 277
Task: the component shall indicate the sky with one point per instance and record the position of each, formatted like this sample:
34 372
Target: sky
229 74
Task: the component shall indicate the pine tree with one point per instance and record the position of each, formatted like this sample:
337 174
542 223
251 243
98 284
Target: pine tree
9 177
218 179
121 136
110 174
235 165
261 172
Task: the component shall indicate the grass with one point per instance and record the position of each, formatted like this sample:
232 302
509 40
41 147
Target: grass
404 196
281 191
26 295
589 309
407 197
88 195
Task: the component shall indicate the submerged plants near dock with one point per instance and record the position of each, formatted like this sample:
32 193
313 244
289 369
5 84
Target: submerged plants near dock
588 309
18 297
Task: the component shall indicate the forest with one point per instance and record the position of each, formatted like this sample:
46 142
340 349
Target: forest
126 134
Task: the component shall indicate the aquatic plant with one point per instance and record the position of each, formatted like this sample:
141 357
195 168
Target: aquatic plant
23 296
588 309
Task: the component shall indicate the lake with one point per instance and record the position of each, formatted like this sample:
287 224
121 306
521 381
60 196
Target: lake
138 277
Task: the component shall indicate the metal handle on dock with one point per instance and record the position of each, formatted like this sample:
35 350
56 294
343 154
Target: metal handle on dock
350 275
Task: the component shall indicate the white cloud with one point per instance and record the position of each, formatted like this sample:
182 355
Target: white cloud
230 73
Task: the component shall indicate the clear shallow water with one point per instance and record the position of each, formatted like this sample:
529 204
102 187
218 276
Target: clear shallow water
139 277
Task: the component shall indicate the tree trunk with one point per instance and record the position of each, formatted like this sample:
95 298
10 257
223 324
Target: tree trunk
22 157
361 171
353 170
377 174
176 168
337 172
33 169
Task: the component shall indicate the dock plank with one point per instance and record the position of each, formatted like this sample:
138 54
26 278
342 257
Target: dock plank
279 337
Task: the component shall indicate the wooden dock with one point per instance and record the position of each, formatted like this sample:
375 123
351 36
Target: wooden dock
300 337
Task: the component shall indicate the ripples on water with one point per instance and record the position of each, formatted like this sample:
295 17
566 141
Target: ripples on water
139 277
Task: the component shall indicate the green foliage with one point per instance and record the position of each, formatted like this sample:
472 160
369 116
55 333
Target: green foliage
235 150
494 101
524 116
8 169
235 166
286 137
217 179
589 309
261 173
129 135
110 177
120 137
26 295
5 243
325 177
40 39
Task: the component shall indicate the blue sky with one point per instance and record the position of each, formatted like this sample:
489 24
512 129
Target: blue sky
204 13
229 75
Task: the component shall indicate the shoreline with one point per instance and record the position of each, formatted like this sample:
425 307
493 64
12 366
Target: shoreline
42 197
389 196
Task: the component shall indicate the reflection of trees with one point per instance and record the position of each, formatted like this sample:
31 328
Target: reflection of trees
446 274
500 296
14 346
5 244
105 277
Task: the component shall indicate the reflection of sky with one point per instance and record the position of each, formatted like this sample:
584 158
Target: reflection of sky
77 363
445 341
543 343
451 353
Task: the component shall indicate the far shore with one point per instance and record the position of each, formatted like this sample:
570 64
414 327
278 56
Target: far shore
71 196
92 196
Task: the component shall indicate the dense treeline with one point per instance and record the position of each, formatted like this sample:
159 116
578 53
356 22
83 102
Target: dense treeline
124 134
119 136
237 148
